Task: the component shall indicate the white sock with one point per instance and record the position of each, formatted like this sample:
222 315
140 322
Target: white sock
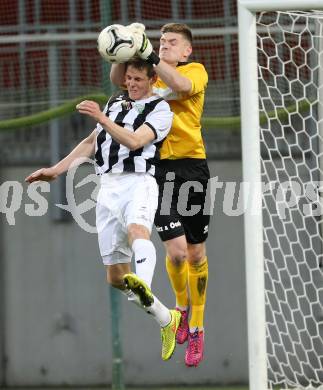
132 297
159 312
157 309
145 259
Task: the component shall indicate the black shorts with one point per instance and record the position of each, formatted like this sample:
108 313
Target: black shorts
182 194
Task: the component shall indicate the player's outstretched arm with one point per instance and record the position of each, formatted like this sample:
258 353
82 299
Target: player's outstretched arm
43 174
84 149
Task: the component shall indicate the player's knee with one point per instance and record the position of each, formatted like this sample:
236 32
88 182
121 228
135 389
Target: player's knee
115 281
137 231
178 256
196 260
176 250
196 254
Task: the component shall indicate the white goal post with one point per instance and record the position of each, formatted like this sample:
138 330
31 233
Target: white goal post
268 372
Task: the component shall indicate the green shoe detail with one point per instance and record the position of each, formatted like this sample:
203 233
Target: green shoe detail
168 335
140 288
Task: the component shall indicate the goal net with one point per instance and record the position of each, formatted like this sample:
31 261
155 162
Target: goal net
48 49
290 81
48 58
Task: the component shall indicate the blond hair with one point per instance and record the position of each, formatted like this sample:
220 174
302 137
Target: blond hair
178 28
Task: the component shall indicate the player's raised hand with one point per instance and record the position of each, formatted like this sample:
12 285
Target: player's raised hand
137 30
144 47
43 174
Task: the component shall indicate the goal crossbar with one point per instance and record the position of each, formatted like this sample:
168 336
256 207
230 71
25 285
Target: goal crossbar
279 5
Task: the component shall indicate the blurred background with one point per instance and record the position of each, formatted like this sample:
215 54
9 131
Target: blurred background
56 326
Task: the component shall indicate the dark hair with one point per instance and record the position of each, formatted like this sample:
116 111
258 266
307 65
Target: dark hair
179 28
140 64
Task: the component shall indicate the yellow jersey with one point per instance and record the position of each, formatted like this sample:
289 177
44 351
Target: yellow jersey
185 139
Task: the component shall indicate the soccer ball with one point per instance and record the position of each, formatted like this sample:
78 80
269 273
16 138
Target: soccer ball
116 44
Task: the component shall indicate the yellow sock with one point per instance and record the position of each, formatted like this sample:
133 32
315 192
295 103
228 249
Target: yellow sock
178 278
197 281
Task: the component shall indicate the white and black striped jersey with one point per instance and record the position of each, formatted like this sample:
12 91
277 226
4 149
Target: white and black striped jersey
110 156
